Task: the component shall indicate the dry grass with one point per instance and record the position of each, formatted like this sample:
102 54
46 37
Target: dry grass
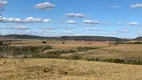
51 69
122 51
127 47
58 44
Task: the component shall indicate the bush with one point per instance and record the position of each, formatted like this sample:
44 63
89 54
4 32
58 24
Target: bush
53 54
90 59
133 42
1 43
9 43
61 51
44 42
46 48
46 55
97 59
85 48
115 60
138 62
63 42
75 57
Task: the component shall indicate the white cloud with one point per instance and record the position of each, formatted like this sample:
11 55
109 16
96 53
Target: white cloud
133 23
75 15
139 32
49 28
3 2
31 19
9 20
124 31
46 20
67 27
45 6
69 32
115 6
105 23
91 22
136 5
18 27
71 22
27 20
91 29
119 23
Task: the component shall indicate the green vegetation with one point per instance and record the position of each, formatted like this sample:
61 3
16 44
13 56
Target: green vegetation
24 50
86 48
60 50
134 42
112 60
1 43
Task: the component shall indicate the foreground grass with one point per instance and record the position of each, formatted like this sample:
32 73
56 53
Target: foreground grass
54 69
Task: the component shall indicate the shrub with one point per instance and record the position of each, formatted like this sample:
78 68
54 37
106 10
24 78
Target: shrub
54 54
9 43
89 59
63 42
1 43
138 62
61 51
115 60
46 48
44 42
136 43
85 48
97 59
46 55
75 57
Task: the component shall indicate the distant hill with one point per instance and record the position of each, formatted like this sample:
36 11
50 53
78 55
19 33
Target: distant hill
91 38
15 36
85 38
138 38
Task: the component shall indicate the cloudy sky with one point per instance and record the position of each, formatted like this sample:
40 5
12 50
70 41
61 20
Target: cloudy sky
118 18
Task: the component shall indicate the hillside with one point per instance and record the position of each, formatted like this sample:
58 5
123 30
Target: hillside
54 69
138 38
85 38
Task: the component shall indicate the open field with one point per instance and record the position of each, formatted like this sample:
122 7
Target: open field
53 69
66 67
121 51
58 44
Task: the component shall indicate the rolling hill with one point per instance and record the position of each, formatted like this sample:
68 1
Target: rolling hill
85 38
138 38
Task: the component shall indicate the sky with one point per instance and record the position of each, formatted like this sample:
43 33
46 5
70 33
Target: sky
117 18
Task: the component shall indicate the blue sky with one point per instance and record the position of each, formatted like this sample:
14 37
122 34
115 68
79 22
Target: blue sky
119 18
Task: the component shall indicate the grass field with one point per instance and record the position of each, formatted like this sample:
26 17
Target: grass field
58 44
122 51
53 69
62 69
